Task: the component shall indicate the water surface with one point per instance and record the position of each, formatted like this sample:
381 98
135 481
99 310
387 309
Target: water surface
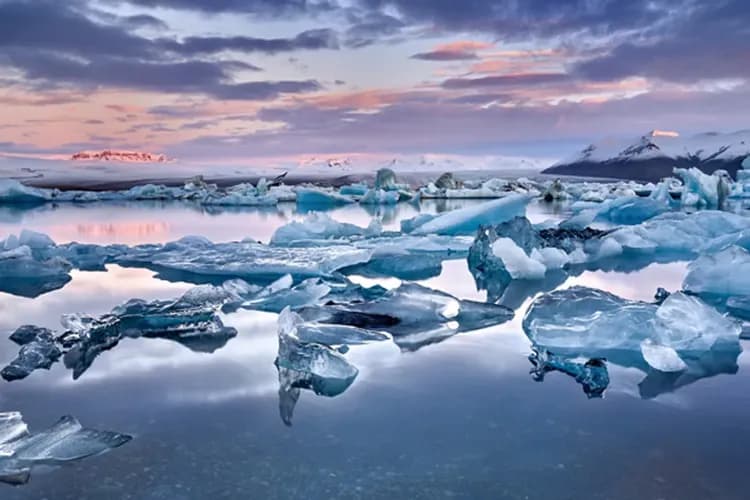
458 419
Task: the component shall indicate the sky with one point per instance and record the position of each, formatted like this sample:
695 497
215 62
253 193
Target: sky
238 79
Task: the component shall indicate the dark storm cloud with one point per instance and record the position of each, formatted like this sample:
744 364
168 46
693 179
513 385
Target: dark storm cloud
144 21
55 44
307 40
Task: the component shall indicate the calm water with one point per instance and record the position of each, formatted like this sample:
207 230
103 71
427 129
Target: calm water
459 419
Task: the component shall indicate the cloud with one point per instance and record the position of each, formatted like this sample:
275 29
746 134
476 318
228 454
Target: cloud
516 80
266 8
708 41
307 40
90 55
461 50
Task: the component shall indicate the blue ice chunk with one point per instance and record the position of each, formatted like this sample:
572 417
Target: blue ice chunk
320 198
380 197
320 226
66 441
468 220
725 273
591 323
354 190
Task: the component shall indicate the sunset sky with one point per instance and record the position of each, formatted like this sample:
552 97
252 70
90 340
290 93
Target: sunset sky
217 79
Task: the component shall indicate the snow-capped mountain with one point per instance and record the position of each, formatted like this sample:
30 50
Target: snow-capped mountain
654 155
120 156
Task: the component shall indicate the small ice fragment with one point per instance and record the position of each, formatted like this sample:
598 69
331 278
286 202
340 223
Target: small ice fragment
662 358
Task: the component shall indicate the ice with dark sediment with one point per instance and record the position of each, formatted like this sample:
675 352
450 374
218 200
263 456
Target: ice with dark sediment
66 441
591 323
414 315
191 320
591 375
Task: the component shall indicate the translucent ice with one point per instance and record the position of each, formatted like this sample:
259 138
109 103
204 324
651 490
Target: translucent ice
592 323
191 320
413 314
703 190
380 197
66 441
14 193
321 198
662 358
724 273
244 259
320 226
468 220
304 365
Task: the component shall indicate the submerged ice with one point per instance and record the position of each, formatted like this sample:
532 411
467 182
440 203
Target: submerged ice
66 441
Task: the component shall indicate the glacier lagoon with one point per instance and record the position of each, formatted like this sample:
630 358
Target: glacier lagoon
438 412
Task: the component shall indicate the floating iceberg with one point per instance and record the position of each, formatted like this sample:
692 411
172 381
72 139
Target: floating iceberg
626 210
468 220
320 198
320 226
245 259
414 315
724 273
14 193
28 268
703 190
304 365
66 441
39 350
380 197
517 250
191 320
592 323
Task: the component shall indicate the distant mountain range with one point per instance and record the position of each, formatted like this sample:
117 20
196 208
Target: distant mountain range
654 156
120 156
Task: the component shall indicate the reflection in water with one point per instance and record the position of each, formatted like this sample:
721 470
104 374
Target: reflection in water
192 320
123 230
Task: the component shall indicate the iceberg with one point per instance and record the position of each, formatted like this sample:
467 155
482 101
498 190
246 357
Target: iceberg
587 322
467 220
517 250
380 197
725 273
320 226
191 320
702 190
661 357
39 350
414 315
626 210
245 259
13 192
304 365
313 198
385 178
66 441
